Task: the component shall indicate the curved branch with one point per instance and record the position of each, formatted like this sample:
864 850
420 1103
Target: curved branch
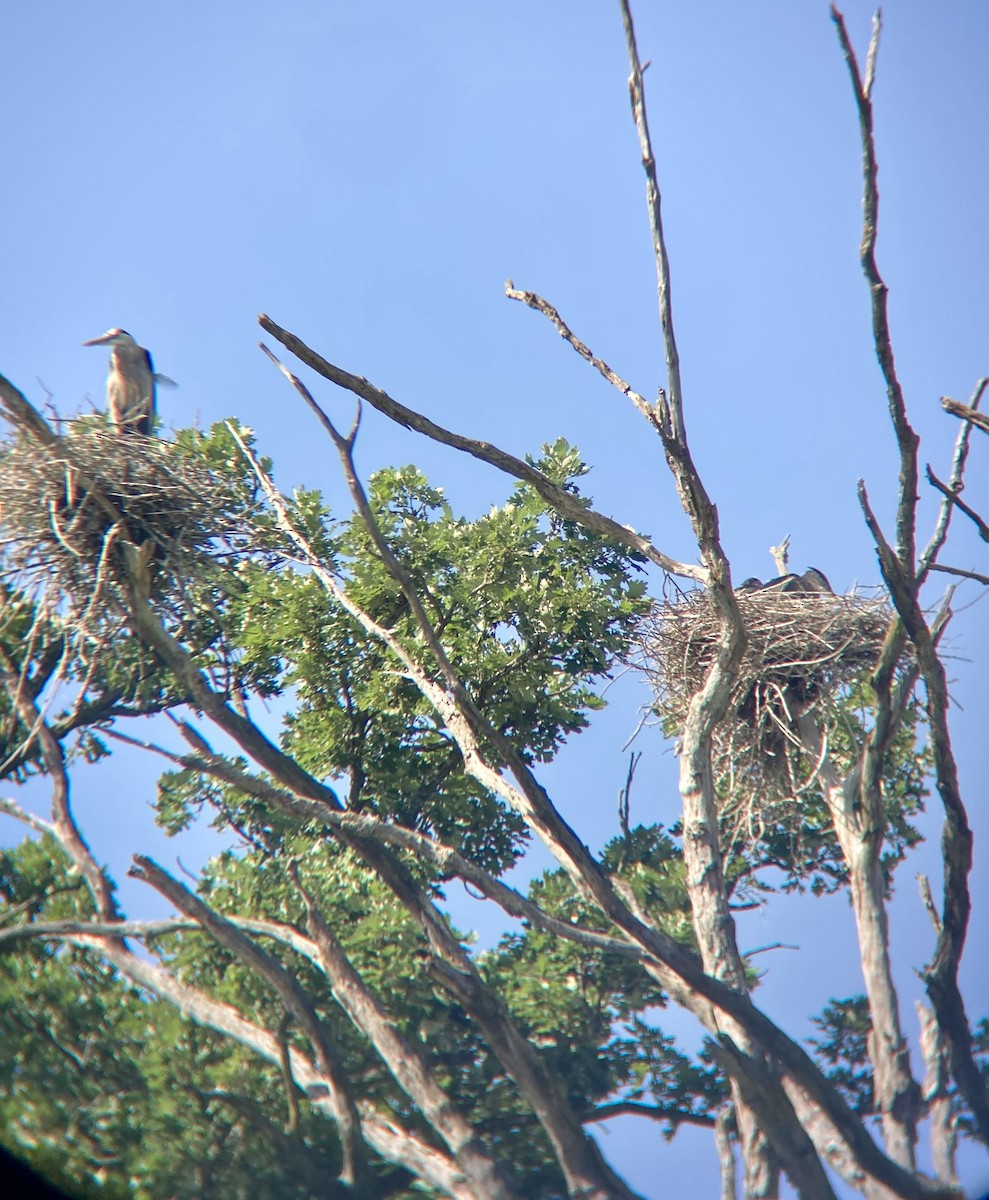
957 502
667 1113
534 301
408 1067
63 824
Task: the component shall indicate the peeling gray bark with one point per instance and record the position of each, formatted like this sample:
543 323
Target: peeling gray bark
937 1097
858 825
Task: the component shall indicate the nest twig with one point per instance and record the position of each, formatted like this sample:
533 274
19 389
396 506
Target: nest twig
801 649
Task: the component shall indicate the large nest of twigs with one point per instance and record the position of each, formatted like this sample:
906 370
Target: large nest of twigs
78 517
802 649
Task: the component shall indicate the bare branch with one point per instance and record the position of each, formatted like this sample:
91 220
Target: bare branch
409 1068
954 499
726 1156
773 1110
961 573
564 502
967 412
664 1113
394 1143
671 409
63 824
873 52
13 809
906 438
63 930
924 884
535 301
292 996
22 414
937 1096
781 555
955 485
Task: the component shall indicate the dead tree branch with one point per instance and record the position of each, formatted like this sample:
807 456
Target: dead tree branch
292 996
941 974
900 573
564 502
967 412
958 503
410 1069
906 438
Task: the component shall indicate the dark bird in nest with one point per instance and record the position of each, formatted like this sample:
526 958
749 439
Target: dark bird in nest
130 384
816 581
812 581
750 585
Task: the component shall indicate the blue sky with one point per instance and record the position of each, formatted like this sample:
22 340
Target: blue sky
370 174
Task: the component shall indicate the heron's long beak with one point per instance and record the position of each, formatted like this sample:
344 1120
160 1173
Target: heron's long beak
106 339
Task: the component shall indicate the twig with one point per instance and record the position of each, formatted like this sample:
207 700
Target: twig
534 301
924 884
959 503
770 946
13 809
963 574
671 407
955 485
966 412
625 795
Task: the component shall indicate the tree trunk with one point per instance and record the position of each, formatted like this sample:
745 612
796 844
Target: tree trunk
858 825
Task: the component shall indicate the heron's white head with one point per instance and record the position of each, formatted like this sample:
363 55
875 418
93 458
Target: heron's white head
113 337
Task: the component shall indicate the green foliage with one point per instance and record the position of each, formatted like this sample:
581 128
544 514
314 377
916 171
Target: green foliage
843 1050
650 862
530 610
118 1094
685 1089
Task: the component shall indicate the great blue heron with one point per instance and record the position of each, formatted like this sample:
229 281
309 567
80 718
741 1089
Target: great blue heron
130 384
783 583
810 582
816 581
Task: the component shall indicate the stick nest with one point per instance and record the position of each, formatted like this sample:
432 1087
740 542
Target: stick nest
77 516
801 649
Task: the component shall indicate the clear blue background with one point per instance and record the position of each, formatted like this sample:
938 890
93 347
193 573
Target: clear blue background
369 174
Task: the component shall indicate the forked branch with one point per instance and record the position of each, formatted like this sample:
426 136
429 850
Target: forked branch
564 502
906 437
903 580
